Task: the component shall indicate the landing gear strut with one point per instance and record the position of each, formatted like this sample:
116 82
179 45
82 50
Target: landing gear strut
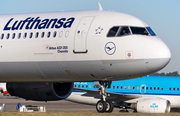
103 105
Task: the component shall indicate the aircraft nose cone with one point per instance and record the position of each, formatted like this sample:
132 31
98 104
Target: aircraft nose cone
156 55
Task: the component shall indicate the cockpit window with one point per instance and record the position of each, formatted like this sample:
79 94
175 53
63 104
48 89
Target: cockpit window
113 32
139 30
124 31
150 31
118 31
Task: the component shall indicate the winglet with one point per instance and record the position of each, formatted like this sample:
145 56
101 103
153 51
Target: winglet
100 7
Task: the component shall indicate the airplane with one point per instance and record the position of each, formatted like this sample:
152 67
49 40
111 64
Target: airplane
150 94
42 54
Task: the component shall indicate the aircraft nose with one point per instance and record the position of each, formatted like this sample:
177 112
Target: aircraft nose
156 55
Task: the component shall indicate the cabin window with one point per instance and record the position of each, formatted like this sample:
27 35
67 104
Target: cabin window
139 30
146 88
55 33
117 87
150 88
60 34
90 86
129 87
154 88
112 32
31 34
121 87
169 88
13 36
42 35
2 36
79 86
161 88
173 89
133 87
67 34
86 86
25 35
157 88
177 89
74 85
124 31
138 87
150 31
142 88
37 34
19 35
48 35
125 87
82 86
8 36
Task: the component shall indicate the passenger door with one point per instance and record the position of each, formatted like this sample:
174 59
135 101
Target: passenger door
81 35
143 89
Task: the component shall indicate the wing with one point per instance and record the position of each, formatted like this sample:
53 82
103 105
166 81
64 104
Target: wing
111 95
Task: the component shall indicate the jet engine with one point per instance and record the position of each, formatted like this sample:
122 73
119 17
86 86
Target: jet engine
153 105
40 91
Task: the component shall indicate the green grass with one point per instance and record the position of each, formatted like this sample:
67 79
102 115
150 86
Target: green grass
81 114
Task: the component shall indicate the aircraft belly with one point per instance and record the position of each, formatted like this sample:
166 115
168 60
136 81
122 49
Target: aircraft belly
125 69
10 71
51 71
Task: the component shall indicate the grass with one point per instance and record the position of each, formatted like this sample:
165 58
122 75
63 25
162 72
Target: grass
81 114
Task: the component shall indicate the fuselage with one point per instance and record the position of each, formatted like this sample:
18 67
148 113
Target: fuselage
133 90
77 46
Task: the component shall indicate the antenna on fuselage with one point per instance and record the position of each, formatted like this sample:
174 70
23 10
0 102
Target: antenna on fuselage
100 7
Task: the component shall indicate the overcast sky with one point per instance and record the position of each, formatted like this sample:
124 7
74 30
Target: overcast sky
163 16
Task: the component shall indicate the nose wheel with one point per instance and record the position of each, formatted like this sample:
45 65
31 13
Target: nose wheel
104 105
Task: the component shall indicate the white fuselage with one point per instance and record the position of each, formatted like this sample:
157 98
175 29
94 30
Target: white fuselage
72 46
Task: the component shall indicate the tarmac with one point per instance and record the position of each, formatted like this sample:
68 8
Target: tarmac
58 106
51 106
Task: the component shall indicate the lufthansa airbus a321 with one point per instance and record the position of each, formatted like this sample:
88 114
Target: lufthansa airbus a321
42 54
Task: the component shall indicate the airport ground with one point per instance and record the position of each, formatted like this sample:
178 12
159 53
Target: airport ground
63 107
52 106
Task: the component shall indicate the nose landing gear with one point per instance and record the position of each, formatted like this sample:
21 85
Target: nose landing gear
104 105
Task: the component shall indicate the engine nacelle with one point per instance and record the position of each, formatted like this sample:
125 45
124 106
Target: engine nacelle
40 91
153 105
